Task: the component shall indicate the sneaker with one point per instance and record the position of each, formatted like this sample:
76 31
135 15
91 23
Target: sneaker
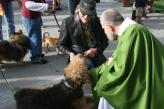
43 26
42 61
43 55
146 16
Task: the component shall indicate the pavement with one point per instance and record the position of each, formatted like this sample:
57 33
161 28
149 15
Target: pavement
41 76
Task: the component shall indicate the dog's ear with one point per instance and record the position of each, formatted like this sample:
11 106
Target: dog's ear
13 33
46 34
20 31
80 55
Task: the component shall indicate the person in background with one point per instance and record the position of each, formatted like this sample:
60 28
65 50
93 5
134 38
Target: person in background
31 17
148 8
82 33
133 77
140 9
7 8
72 4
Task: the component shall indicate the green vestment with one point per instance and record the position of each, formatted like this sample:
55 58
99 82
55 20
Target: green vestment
135 77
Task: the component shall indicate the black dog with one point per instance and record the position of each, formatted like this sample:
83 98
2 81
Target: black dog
15 49
60 96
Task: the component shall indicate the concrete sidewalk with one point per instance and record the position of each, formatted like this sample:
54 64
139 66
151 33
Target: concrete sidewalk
46 75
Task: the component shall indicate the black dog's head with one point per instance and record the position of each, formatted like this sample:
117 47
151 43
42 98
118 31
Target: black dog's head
20 39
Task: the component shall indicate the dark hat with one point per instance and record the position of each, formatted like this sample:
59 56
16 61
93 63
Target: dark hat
88 7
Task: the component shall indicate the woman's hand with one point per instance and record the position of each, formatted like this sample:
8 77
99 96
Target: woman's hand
91 52
71 56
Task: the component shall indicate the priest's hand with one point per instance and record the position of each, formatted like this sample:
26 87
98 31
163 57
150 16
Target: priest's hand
110 60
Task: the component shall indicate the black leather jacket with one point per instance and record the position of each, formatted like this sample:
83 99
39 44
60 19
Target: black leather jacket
73 40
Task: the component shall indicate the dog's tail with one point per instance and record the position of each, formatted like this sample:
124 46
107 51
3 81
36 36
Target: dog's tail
45 35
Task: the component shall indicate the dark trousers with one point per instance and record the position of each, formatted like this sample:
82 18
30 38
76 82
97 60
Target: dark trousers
72 4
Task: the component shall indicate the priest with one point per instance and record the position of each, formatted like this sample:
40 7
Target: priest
133 78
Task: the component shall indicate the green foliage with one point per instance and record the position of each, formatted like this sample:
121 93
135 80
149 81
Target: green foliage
158 6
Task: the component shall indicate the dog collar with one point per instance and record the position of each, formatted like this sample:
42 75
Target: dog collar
66 83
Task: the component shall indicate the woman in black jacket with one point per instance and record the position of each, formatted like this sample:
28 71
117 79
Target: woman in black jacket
82 33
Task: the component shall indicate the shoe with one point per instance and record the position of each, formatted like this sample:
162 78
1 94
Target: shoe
42 55
145 16
42 61
43 26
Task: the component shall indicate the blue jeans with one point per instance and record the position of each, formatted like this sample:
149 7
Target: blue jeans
9 19
72 4
33 28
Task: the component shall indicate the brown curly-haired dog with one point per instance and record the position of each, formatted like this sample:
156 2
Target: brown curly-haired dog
67 94
77 70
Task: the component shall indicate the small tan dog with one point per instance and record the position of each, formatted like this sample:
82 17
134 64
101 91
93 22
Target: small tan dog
50 41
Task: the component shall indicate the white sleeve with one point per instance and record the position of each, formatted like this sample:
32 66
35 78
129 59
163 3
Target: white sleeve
33 6
103 104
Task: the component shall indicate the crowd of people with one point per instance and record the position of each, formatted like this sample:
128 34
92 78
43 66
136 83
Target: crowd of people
131 79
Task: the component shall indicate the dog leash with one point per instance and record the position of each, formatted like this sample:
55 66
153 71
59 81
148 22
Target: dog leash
53 12
3 75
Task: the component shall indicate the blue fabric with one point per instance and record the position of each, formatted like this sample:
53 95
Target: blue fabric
33 28
9 19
